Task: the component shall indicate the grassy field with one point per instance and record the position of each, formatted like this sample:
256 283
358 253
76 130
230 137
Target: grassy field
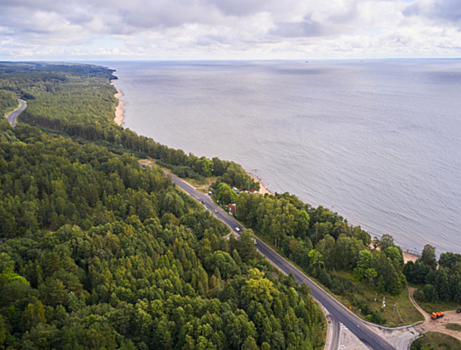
399 310
440 306
453 327
436 341
202 185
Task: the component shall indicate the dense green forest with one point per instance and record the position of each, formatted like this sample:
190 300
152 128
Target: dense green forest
102 254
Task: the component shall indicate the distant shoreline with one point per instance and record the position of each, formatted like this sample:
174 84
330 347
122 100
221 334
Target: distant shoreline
119 112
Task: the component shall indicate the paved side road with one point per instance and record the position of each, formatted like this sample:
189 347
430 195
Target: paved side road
337 310
13 115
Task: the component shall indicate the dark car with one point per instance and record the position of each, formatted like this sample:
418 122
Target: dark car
458 311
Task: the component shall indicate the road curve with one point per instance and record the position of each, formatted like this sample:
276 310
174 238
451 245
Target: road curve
336 309
13 115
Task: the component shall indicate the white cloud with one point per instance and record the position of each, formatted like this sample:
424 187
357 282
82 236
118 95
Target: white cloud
207 29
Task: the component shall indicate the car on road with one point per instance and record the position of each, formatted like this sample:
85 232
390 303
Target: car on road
203 202
458 311
215 211
237 229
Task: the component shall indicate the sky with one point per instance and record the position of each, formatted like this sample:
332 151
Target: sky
228 29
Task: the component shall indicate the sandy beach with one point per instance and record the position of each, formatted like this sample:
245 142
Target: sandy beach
119 113
409 257
262 189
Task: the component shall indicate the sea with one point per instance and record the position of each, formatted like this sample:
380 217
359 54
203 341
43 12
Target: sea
377 141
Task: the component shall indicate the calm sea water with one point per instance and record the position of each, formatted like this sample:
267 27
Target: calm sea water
377 141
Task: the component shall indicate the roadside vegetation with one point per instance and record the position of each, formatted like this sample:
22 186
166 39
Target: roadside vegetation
436 341
8 102
100 253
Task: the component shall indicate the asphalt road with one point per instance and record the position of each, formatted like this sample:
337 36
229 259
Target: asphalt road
13 115
338 312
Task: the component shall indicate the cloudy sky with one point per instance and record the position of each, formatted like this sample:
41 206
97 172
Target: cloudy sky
228 29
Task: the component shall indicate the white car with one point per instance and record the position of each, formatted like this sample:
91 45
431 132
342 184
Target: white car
237 229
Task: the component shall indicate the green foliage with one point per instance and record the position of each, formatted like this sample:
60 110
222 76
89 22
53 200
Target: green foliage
386 242
223 262
428 257
316 257
246 246
377 317
259 288
226 194
8 101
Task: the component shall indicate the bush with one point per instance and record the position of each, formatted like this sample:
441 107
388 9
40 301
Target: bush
365 309
377 317
430 293
325 278
419 295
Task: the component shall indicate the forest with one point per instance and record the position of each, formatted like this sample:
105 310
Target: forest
100 253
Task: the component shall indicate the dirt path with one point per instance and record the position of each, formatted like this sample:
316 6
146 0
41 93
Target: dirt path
427 317
431 325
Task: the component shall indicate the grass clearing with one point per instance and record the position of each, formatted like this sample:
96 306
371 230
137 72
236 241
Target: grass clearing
439 306
202 185
436 341
453 327
399 310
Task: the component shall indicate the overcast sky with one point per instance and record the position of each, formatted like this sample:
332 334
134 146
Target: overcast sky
228 29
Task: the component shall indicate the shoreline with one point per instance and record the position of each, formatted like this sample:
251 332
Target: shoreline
409 257
262 188
119 112
119 118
